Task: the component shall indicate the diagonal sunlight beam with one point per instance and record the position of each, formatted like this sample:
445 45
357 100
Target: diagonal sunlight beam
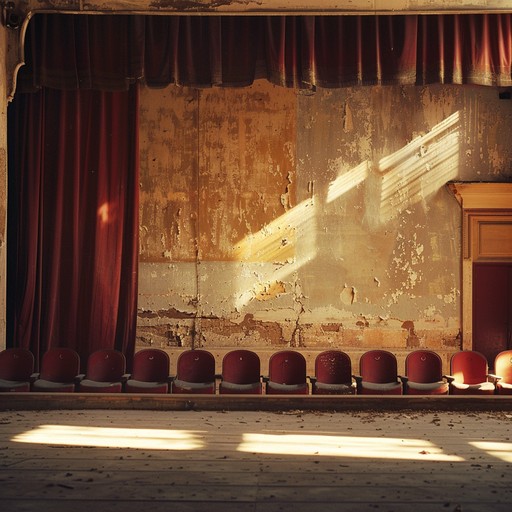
276 241
347 181
154 439
345 446
272 253
420 168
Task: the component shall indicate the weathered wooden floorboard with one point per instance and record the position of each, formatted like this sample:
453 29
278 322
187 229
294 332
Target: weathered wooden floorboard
255 461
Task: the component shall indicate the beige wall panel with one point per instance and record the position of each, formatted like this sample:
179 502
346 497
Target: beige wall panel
325 219
247 171
387 230
168 174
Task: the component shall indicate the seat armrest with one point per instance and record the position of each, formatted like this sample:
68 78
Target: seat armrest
311 379
79 378
359 382
125 377
34 376
449 378
218 376
170 378
403 378
264 378
494 378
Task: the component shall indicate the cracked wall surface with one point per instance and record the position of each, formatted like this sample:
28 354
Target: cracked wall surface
272 218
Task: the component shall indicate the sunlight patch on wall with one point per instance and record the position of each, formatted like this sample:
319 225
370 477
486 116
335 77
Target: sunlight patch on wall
345 446
347 181
273 250
152 439
276 241
420 168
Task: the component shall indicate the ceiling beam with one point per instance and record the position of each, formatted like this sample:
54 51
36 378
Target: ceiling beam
254 7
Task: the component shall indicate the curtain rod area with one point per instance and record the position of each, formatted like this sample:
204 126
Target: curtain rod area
260 7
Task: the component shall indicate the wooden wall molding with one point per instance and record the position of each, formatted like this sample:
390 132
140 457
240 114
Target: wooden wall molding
486 236
480 195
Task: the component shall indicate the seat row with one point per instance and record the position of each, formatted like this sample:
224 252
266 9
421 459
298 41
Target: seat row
195 373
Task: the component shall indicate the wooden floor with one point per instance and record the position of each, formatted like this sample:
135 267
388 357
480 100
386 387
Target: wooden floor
259 461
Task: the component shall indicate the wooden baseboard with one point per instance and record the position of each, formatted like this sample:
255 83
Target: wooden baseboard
276 403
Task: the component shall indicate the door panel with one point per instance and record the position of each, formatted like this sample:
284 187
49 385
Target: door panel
492 293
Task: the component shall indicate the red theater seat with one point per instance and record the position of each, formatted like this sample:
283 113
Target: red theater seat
195 373
150 373
287 374
424 374
469 374
241 373
105 372
59 371
16 368
378 374
333 374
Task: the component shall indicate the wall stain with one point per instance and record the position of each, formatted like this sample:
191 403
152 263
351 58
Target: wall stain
270 333
413 341
166 313
335 327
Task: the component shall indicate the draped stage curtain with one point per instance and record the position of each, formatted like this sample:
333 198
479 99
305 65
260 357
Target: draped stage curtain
73 220
72 265
110 52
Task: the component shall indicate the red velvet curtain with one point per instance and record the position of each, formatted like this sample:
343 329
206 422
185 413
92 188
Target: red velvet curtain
73 220
73 160
110 52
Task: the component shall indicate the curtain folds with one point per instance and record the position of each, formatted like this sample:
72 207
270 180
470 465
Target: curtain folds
73 144
73 220
110 52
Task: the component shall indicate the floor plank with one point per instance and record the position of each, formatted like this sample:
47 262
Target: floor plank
255 461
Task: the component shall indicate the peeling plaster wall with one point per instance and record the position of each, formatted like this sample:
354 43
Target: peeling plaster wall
271 218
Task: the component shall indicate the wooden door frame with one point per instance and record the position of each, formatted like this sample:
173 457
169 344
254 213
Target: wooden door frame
486 237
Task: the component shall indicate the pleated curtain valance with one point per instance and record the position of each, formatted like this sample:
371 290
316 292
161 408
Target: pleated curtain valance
109 52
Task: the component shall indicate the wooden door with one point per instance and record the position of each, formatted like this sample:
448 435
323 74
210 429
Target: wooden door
492 308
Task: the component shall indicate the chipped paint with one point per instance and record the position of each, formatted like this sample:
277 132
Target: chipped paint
348 295
266 221
267 291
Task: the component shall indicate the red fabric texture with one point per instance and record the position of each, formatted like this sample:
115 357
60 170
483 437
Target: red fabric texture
333 367
73 217
469 367
424 366
378 366
110 52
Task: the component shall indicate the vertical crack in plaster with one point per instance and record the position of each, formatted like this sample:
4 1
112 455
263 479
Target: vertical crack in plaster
196 302
296 339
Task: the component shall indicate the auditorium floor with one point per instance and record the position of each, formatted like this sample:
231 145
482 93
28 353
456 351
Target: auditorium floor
292 460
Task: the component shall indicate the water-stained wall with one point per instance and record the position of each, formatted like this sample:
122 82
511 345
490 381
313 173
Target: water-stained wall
272 218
